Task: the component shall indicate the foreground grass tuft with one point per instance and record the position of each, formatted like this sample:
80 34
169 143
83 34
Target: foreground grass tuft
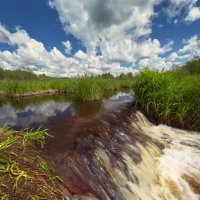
170 97
23 174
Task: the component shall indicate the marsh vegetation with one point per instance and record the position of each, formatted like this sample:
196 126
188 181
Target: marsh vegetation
85 88
171 97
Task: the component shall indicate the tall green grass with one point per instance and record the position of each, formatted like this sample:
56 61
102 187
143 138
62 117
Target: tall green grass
84 88
12 87
88 88
92 88
170 97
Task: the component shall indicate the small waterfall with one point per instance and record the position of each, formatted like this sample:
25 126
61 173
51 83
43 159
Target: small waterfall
135 160
106 150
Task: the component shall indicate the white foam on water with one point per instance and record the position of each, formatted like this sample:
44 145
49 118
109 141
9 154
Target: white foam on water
178 166
168 173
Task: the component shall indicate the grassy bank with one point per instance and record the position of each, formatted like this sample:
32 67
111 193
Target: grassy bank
23 174
92 88
12 87
170 97
85 88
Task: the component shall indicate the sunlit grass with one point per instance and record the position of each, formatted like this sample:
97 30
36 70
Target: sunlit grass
92 88
88 88
21 168
170 97
12 87
83 88
38 136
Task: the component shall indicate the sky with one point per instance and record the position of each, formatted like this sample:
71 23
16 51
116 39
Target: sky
76 37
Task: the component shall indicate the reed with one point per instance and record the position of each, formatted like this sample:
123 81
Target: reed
12 87
83 88
170 97
88 89
92 88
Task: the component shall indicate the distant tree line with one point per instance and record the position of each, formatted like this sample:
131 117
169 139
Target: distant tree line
20 74
28 74
121 76
192 67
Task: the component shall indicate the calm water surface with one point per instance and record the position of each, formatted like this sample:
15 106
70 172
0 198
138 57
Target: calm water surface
52 111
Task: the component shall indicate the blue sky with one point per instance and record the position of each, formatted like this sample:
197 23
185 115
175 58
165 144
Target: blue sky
70 38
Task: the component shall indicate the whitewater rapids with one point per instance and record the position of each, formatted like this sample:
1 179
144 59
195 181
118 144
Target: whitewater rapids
140 161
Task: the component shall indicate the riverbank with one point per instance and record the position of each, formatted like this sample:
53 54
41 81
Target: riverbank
170 97
84 89
23 173
34 94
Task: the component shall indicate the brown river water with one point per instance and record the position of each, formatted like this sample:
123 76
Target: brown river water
108 150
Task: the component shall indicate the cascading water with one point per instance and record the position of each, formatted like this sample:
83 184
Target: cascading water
136 160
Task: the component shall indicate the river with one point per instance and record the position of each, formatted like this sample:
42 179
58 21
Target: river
108 150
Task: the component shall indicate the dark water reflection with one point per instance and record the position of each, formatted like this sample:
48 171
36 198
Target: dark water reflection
26 112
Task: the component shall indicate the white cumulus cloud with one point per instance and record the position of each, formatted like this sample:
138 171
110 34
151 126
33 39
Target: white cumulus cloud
191 47
183 10
189 50
33 54
67 46
193 14
119 29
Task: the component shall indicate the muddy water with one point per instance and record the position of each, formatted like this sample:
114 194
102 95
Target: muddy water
107 150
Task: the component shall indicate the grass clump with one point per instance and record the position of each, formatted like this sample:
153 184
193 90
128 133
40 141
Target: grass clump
23 174
88 88
37 136
170 97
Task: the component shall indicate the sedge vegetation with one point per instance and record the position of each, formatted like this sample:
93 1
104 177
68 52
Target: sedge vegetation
16 84
23 173
92 88
171 97
13 87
